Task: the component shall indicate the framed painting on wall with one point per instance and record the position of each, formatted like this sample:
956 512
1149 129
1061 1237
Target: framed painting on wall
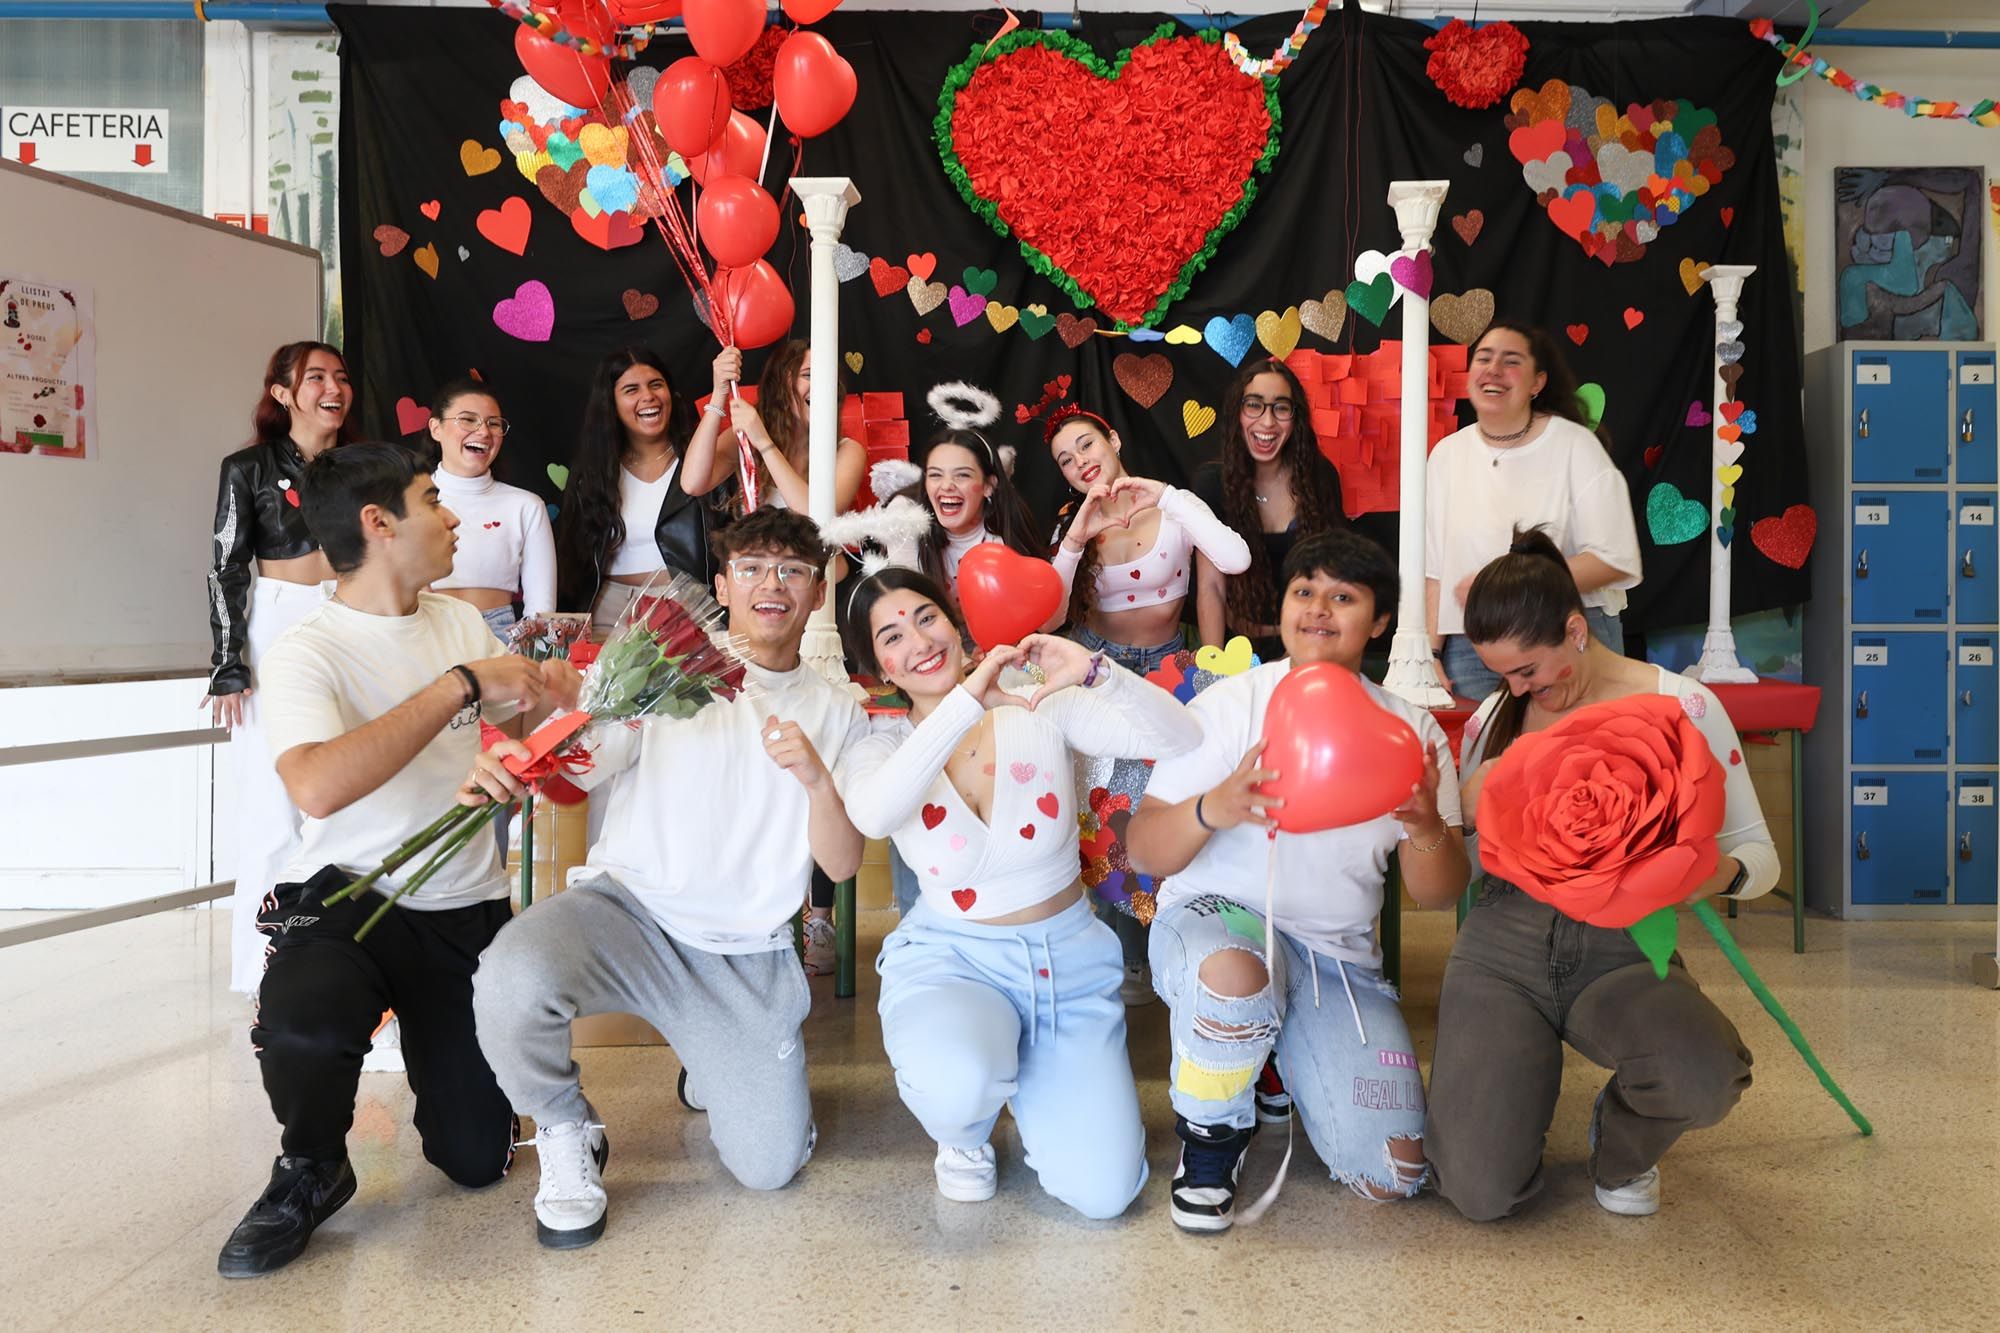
1907 243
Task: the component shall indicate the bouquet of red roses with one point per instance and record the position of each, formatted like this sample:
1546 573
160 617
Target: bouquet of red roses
1610 817
667 655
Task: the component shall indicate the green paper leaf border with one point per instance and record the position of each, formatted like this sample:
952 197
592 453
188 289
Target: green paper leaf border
1081 51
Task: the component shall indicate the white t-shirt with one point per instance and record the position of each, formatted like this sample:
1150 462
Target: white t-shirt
504 540
639 504
339 669
1563 481
1328 884
702 827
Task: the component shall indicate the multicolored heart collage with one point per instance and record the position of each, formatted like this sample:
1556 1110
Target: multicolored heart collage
578 159
1612 181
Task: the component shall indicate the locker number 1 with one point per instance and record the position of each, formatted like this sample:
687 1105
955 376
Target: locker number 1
1871 374
1871 516
1871 795
1871 654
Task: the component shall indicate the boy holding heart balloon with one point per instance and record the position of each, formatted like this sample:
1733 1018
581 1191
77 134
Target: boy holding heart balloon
1277 832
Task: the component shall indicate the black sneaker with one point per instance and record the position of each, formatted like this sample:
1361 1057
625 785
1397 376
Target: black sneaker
302 1194
1204 1192
1274 1103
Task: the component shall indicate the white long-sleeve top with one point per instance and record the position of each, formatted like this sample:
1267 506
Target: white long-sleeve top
1744 834
1162 573
504 540
895 786
703 828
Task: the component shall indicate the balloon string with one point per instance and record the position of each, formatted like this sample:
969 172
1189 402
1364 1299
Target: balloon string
1734 954
671 220
770 132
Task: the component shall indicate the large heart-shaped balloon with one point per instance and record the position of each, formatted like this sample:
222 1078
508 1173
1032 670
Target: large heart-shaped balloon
1006 596
1340 757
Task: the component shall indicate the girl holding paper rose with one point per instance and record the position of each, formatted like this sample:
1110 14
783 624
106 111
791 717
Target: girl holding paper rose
1524 978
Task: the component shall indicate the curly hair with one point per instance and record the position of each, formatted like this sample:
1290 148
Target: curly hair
1315 489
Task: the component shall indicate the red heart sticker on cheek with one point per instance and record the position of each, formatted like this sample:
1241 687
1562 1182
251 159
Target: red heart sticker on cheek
1340 757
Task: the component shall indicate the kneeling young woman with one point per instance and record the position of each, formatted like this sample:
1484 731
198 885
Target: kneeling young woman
1000 988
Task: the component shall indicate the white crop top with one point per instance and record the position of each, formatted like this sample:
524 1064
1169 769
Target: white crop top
1161 574
639 504
894 786
504 540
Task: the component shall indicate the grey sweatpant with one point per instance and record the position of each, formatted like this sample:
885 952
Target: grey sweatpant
733 1019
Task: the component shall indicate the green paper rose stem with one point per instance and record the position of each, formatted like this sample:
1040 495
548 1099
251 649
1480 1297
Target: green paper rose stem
1735 956
463 834
436 829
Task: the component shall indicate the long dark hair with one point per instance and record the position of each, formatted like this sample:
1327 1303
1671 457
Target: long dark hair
1558 395
464 386
1315 488
588 523
857 638
1082 587
1004 513
784 415
1527 595
271 420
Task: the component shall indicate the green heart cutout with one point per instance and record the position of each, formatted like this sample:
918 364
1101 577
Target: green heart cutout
564 151
1208 203
1591 395
1370 300
1725 518
1656 934
1035 325
1690 120
1672 517
980 281
559 475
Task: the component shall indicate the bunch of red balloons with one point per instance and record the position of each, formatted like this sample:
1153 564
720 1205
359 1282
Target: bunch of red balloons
736 217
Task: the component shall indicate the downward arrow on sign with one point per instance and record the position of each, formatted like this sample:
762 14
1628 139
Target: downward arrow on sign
27 154
143 155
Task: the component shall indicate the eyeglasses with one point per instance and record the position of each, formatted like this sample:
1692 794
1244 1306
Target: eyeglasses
1281 409
750 572
468 423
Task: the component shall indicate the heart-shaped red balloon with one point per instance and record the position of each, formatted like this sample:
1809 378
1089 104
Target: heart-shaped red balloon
1341 758
1006 596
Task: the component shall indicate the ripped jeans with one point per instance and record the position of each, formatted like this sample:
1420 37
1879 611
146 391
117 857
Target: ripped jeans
1342 1046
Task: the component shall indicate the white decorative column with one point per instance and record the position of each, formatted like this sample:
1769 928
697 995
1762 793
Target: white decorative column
826 200
1411 675
1719 664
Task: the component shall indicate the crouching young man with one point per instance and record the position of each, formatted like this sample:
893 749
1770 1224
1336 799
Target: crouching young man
372 706
707 847
1322 1003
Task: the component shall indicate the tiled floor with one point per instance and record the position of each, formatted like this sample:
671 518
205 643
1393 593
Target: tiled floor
135 1132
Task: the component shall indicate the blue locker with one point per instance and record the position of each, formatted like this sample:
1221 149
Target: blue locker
1975 824
1897 712
1976 600
1899 416
1972 427
1975 719
1897 853
1899 574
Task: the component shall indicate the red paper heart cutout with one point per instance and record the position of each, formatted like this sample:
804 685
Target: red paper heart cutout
888 278
1788 538
1048 804
1073 331
431 209
1340 757
1653 453
1006 596
923 335
1577 333
933 815
640 305
411 416
1146 378
1634 317
922 265
1731 411
1468 225
1041 136
391 239
607 231
965 898
507 226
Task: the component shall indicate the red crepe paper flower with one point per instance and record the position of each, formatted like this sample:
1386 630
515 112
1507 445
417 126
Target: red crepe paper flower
1607 816
1476 67
750 77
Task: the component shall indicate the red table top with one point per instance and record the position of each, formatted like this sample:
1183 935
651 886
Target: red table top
1766 705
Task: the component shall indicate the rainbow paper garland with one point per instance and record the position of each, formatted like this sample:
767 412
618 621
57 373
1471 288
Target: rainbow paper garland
545 25
1287 52
1983 113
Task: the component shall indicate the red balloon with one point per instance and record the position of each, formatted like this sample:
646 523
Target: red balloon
723 31
562 71
632 13
738 220
1006 596
691 104
741 152
1341 758
814 84
809 11
759 305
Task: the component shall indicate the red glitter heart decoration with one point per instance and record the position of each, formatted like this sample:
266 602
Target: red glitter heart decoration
1146 378
1788 538
1118 180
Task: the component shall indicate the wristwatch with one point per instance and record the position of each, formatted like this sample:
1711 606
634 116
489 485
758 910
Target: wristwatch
1736 884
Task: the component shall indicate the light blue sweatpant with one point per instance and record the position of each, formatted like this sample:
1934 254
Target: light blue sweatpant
1027 1017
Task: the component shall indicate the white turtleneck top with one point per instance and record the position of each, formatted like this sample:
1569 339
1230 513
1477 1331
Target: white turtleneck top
504 540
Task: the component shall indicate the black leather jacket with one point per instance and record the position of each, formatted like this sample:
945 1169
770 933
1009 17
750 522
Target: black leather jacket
256 514
682 532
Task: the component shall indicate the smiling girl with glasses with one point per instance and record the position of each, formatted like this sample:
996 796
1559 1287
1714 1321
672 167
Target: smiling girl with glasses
505 566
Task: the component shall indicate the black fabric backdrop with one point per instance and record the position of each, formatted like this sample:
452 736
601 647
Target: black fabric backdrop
1358 112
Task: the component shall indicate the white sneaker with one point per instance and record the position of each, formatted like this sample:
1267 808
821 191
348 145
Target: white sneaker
1137 988
967 1175
821 956
570 1205
386 1055
1635 1198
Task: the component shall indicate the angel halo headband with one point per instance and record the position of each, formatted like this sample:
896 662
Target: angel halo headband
963 406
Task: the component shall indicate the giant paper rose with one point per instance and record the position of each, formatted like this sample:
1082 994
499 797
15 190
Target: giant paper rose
1607 816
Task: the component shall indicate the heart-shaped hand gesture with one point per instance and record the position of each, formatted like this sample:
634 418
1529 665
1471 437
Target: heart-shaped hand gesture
1144 492
1093 518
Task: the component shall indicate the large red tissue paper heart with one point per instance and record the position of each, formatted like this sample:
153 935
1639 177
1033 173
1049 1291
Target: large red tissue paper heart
1118 181
1006 596
1341 758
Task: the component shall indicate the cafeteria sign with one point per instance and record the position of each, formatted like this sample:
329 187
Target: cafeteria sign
89 139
